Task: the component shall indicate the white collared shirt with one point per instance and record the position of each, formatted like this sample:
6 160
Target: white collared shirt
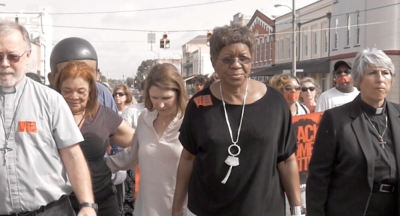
34 174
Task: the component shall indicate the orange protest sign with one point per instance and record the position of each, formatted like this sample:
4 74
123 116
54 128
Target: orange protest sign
305 127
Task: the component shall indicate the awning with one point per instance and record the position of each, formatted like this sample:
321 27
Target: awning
321 65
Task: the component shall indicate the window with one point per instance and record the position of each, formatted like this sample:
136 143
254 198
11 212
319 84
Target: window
288 47
336 36
256 54
270 52
325 40
315 42
348 30
305 44
265 49
281 49
358 28
260 52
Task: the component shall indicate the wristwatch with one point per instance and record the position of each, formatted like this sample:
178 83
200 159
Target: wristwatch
91 205
296 210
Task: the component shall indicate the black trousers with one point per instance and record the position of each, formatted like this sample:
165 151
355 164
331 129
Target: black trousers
61 207
382 204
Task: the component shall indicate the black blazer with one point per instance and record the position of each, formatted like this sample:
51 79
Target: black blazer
341 171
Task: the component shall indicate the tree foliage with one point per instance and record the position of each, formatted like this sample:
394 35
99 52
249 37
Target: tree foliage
129 81
142 72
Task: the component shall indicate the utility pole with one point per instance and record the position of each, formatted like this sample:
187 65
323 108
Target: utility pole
294 47
294 67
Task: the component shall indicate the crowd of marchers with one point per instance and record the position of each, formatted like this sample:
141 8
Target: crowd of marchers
77 148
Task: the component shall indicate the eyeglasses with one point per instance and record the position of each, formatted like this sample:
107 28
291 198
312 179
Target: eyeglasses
230 60
12 58
119 94
304 89
290 88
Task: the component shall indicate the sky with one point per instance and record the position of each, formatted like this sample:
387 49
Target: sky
118 29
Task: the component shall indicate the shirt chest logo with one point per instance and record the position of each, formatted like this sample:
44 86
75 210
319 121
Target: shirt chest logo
203 100
27 126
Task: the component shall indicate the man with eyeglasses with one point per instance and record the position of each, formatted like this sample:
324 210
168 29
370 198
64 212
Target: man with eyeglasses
343 91
39 155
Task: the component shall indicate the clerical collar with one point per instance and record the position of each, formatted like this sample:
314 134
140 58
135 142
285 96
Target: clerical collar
13 89
370 110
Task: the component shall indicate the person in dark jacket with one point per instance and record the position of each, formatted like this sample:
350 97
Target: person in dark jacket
355 162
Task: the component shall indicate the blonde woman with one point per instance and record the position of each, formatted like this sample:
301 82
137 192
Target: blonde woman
289 86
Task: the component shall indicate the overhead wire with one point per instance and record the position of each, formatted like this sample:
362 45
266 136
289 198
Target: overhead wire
208 30
341 14
125 29
139 10
117 11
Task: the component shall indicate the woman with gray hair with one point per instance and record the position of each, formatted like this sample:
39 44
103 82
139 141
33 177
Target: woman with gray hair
355 162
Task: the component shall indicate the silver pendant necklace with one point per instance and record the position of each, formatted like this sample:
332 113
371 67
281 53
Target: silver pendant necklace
233 157
7 133
381 142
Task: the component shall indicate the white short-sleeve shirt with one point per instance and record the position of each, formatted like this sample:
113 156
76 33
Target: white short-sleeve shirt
34 174
332 98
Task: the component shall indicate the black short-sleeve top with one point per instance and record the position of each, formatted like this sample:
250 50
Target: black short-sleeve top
96 133
253 188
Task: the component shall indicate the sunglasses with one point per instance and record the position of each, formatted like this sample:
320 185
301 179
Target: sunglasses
304 89
12 58
119 94
290 88
240 59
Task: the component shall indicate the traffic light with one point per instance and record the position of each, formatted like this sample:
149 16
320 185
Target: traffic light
162 44
165 42
208 38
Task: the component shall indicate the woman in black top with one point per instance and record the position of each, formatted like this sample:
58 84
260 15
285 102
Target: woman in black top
238 155
354 169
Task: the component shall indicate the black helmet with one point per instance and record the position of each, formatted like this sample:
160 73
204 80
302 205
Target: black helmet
72 48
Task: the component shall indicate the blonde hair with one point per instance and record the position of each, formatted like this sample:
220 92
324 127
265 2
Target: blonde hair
280 80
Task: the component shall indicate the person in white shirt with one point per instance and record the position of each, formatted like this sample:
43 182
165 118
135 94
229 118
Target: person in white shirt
156 148
342 93
41 160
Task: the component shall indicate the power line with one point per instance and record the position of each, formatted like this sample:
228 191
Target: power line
202 30
270 34
140 10
127 30
196 30
344 13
